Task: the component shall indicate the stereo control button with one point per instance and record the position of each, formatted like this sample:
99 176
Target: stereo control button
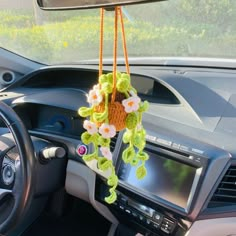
134 214
158 217
123 199
167 225
128 211
148 222
141 218
165 229
155 225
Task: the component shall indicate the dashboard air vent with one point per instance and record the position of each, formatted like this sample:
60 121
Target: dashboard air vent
225 194
3 95
113 142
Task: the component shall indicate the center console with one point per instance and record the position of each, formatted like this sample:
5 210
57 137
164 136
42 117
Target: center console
160 203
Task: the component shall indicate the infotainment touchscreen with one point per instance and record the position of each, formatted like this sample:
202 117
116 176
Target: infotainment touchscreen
168 179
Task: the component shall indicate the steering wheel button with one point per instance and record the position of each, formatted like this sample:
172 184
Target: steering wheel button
8 174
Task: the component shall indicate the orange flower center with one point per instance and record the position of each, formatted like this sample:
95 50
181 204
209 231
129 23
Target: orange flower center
89 127
95 96
130 104
107 130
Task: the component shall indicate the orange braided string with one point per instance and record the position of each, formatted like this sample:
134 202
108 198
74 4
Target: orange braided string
124 41
115 54
101 40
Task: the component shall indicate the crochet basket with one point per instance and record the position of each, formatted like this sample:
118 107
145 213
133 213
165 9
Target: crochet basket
116 112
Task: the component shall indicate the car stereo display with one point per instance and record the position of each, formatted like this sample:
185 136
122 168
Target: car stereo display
166 178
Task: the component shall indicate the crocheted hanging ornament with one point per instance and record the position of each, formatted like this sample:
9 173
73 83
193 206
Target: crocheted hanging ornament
114 106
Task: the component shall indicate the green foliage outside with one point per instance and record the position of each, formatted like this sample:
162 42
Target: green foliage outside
174 28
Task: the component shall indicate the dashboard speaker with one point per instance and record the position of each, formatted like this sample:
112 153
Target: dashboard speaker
7 77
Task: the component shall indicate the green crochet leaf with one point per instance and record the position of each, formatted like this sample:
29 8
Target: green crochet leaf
95 138
110 78
86 138
142 133
144 106
134 162
89 157
125 76
107 87
85 111
100 117
127 136
118 75
112 198
104 164
112 180
103 79
104 142
123 85
141 172
131 120
143 156
138 141
128 154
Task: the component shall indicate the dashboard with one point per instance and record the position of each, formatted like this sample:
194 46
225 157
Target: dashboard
190 140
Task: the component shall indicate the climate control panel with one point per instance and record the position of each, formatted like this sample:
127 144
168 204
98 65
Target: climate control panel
148 217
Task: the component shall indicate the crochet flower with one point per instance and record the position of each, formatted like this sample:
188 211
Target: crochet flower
96 87
107 131
90 127
106 152
131 104
94 97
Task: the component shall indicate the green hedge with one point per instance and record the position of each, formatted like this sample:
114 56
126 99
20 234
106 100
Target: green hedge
77 36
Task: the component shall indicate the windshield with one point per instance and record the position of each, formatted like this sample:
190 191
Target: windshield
177 28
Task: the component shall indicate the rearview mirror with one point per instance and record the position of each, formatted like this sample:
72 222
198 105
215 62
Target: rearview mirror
85 4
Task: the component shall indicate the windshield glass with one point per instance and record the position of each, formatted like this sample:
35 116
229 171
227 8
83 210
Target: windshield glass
177 28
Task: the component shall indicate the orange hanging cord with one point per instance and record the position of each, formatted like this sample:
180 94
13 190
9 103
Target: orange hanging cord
118 13
101 40
124 40
115 54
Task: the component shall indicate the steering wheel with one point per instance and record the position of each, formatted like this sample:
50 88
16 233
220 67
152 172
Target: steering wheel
15 195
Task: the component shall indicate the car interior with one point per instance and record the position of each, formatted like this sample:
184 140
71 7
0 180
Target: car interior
46 188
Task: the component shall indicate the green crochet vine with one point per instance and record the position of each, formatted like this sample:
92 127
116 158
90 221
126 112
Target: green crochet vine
100 127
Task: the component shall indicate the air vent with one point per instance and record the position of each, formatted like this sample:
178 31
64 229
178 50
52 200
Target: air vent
225 194
7 77
113 142
3 95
